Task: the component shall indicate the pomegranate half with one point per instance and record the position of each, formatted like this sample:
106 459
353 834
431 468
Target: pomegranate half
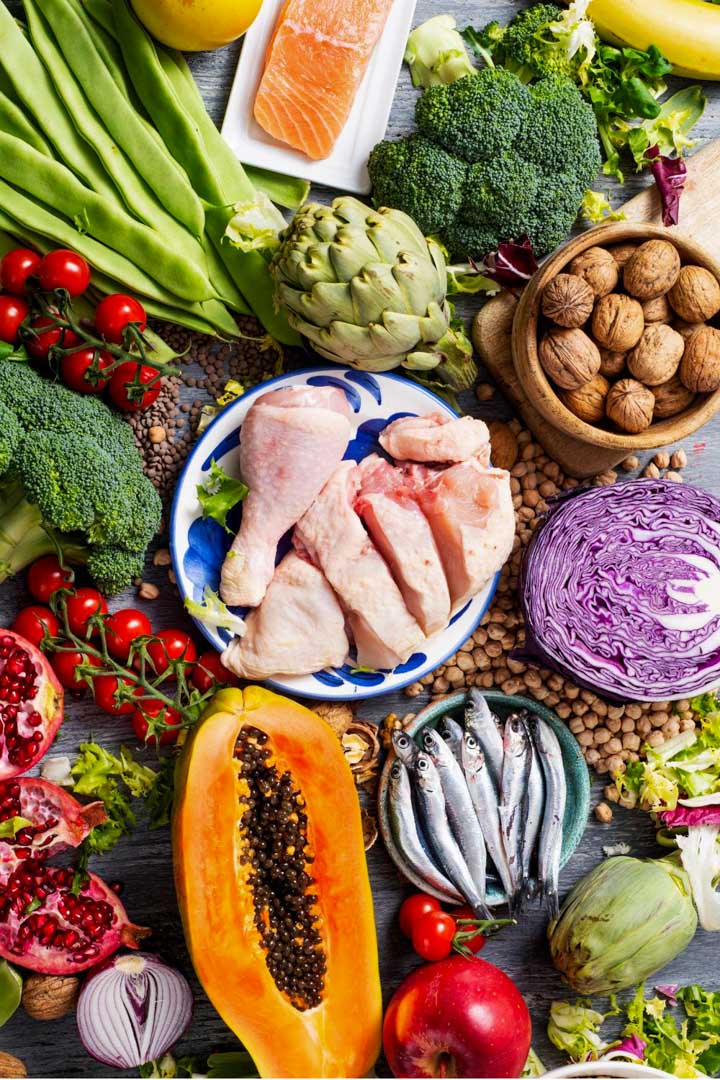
31 705
55 820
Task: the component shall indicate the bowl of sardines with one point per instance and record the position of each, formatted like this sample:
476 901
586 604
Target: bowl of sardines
483 799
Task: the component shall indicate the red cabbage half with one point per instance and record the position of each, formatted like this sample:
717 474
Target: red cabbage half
620 588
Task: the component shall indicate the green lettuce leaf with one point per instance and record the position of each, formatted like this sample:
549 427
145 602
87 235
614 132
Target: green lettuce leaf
220 494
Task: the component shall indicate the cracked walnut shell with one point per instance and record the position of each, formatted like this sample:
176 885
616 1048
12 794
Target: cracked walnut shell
652 270
598 268
657 354
569 357
588 402
630 405
617 322
568 300
671 398
695 295
700 366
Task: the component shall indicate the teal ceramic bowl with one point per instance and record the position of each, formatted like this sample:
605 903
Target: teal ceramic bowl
576 771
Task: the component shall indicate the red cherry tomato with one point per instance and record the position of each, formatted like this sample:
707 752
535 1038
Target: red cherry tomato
32 621
478 942
13 313
104 687
133 387
63 269
46 576
210 670
64 665
414 908
170 645
82 370
82 604
163 712
40 343
115 313
432 935
123 628
15 269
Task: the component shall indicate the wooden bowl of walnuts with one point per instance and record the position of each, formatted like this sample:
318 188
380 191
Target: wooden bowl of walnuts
613 339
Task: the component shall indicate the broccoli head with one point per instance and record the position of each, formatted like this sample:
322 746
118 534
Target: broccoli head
419 176
525 46
560 134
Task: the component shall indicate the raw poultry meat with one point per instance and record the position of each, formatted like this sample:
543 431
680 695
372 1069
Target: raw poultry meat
437 438
331 532
403 537
299 627
292 440
314 65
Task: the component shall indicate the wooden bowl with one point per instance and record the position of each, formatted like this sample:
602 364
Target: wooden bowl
535 382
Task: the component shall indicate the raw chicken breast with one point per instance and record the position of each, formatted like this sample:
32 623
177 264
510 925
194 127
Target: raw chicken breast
291 441
332 534
470 511
437 438
314 65
403 537
299 627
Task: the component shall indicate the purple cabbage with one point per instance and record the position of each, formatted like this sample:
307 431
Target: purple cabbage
620 589
670 175
633 1046
512 265
690 815
669 992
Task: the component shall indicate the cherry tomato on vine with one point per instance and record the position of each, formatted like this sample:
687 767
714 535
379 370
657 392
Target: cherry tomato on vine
64 269
81 605
432 935
115 313
46 576
13 313
155 709
478 942
104 687
210 670
15 269
82 370
64 665
123 628
170 645
32 621
133 387
40 343
414 908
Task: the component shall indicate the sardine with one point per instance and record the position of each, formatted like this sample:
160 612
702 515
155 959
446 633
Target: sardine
405 748
486 728
484 797
460 810
403 827
517 760
452 733
551 833
437 828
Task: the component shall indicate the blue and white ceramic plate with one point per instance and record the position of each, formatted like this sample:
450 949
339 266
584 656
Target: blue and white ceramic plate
199 546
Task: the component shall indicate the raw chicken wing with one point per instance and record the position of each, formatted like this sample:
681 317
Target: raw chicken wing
437 438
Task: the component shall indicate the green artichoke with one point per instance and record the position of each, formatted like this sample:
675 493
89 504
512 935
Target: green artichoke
624 921
368 290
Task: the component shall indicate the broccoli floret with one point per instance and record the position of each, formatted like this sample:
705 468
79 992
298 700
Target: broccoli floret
500 192
466 239
419 177
113 568
475 118
435 53
561 131
554 211
11 434
525 46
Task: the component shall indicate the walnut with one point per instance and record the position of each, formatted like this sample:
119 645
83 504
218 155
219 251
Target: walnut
335 713
11 1066
569 357
622 253
361 746
652 270
588 402
369 828
700 365
48 997
611 363
671 398
657 310
696 294
568 300
686 328
657 354
596 266
617 322
503 445
630 405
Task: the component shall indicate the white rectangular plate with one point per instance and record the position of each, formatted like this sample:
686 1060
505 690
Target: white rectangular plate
346 167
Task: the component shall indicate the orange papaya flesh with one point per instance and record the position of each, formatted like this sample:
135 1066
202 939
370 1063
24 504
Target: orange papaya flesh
285 949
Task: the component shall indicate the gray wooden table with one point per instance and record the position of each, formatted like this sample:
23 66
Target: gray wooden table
143 862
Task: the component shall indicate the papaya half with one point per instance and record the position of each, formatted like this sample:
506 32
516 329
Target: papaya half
273 887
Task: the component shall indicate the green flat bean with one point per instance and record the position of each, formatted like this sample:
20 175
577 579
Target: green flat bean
161 172
15 122
221 281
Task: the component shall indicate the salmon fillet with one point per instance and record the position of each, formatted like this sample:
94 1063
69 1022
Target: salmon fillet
314 65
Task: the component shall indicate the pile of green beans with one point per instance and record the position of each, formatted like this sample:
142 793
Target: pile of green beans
106 148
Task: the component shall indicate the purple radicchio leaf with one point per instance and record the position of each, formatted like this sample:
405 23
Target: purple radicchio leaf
668 991
690 815
633 1047
512 265
670 175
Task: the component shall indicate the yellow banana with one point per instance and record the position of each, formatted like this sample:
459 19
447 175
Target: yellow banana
686 31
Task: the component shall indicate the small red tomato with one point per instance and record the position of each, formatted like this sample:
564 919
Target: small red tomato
32 622
414 908
63 269
104 687
133 387
13 313
15 269
432 935
156 710
64 665
46 576
210 670
123 628
170 645
478 942
115 313
82 604
82 370
42 341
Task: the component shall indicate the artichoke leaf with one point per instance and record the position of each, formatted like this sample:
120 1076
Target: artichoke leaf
327 302
377 290
350 253
421 284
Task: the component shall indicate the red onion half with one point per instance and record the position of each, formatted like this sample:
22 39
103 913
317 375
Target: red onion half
133 1010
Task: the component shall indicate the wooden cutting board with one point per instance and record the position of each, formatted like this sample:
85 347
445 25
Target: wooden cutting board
492 328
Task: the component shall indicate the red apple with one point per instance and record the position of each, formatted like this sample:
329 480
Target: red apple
459 1017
